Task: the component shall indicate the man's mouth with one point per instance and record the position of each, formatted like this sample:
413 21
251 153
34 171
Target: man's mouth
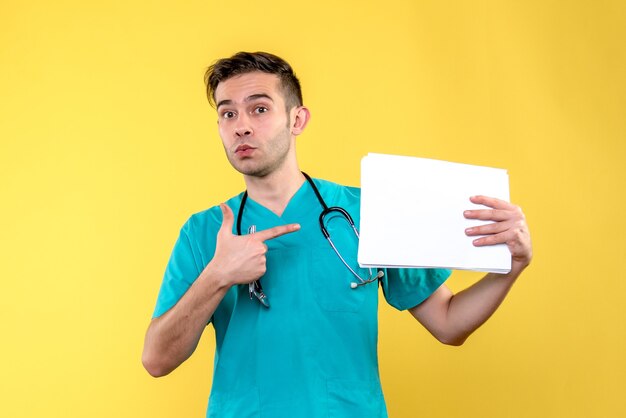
244 150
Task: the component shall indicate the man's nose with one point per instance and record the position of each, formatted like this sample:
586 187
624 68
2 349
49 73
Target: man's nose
243 127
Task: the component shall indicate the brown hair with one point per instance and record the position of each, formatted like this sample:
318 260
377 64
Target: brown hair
248 62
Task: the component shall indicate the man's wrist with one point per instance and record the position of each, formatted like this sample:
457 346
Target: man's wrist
215 275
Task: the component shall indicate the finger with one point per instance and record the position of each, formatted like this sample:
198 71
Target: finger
227 218
487 214
277 231
493 228
501 238
492 202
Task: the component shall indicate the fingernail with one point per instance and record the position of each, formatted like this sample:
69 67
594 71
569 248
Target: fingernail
466 213
469 230
296 227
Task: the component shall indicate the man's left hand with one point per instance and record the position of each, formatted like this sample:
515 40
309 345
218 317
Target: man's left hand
509 227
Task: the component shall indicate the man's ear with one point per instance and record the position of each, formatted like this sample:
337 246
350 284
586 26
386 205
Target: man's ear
300 118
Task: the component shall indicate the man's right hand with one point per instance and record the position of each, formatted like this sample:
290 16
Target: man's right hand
241 259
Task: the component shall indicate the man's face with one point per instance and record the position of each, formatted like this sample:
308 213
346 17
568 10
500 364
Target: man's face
253 123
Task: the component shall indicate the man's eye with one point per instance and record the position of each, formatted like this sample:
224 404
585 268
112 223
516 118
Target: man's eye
228 114
260 109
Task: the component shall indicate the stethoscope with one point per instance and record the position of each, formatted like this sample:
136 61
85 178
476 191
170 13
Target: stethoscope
255 288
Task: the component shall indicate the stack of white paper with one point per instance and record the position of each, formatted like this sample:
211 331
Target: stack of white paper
412 214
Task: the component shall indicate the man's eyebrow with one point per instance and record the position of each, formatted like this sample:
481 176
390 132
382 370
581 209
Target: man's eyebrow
250 98
223 102
253 97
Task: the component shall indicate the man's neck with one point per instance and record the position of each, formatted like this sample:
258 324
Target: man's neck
275 190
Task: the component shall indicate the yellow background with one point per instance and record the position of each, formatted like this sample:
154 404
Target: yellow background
108 145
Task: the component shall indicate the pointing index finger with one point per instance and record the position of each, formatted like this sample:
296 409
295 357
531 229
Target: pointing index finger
276 231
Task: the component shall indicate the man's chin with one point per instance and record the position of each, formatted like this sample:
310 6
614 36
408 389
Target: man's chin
256 167
252 170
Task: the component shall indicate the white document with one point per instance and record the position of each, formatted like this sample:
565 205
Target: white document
412 214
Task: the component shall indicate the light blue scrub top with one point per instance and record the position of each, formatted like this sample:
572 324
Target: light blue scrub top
313 353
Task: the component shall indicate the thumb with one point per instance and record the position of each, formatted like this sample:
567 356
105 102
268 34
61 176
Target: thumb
227 219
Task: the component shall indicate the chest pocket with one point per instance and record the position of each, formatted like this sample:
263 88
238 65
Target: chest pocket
331 278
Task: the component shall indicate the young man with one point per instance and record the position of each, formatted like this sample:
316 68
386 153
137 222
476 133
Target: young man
311 352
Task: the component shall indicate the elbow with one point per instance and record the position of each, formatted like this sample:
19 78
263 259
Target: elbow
455 340
153 366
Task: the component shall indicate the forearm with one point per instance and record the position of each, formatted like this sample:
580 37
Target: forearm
173 337
453 318
470 308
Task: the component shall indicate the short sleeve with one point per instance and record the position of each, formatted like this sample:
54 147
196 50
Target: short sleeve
406 288
181 271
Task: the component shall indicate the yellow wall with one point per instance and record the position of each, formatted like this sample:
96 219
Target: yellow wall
107 145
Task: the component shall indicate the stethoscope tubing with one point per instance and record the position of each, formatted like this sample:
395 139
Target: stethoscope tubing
325 212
